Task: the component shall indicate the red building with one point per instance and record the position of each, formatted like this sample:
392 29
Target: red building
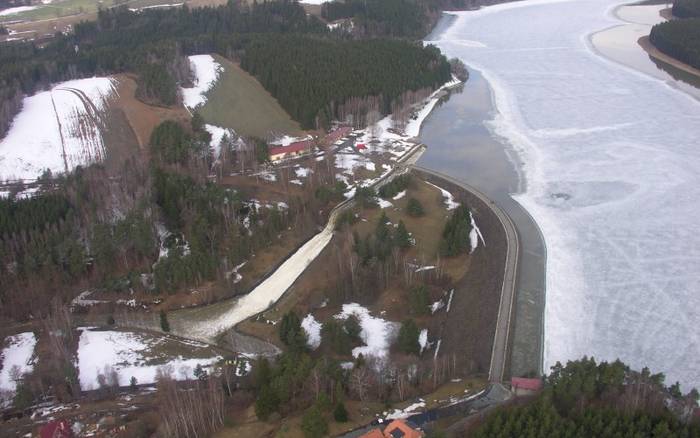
292 150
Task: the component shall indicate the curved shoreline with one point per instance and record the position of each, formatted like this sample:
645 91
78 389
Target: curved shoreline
646 44
527 339
669 68
501 340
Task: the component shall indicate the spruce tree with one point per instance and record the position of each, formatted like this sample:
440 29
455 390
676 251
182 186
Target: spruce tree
408 337
401 237
164 324
313 423
340 414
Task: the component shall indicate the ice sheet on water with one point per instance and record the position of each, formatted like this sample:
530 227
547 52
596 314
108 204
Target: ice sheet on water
612 174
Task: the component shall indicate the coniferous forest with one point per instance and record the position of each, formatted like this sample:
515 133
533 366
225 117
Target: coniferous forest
686 8
680 38
154 43
589 399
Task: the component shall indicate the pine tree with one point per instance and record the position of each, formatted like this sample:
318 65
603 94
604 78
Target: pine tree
401 237
414 208
408 337
418 300
340 414
266 403
164 324
313 423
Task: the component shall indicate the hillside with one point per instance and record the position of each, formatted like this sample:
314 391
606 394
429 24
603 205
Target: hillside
239 102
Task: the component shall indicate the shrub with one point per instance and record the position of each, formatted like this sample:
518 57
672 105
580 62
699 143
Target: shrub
455 236
313 424
414 208
408 337
164 324
418 300
340 414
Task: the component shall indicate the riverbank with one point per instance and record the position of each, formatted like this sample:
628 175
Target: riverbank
660 56
628 44
501 344
464 145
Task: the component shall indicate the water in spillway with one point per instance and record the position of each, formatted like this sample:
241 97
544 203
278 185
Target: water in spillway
611 164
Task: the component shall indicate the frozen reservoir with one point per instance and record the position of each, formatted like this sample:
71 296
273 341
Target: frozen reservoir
611 165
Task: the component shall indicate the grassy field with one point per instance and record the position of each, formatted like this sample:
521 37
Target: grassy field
238 101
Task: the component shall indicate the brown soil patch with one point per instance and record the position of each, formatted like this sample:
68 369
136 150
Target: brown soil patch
143 118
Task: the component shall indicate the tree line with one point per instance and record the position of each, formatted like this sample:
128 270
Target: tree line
153 43
686 8
396 18
584 398
679 39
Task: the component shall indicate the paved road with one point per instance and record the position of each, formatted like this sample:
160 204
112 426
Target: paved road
499 353
495 394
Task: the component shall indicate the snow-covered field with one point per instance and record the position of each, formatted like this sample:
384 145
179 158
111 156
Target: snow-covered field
15 360
17 10
205 70
612 173
57 129
136 355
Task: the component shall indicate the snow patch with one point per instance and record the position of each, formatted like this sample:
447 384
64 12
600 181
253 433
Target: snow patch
474 235
399 195
423 339
313 331
383 203
449 199
376 333
206 71
17 10
15 357
407 412
302 172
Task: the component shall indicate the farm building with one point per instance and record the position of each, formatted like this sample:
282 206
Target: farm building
292 150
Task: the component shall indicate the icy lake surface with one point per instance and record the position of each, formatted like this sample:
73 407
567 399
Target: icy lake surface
612 169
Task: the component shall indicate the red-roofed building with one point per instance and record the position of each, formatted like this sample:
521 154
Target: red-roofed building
292 150
525 386
374 433
395 429
361 146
